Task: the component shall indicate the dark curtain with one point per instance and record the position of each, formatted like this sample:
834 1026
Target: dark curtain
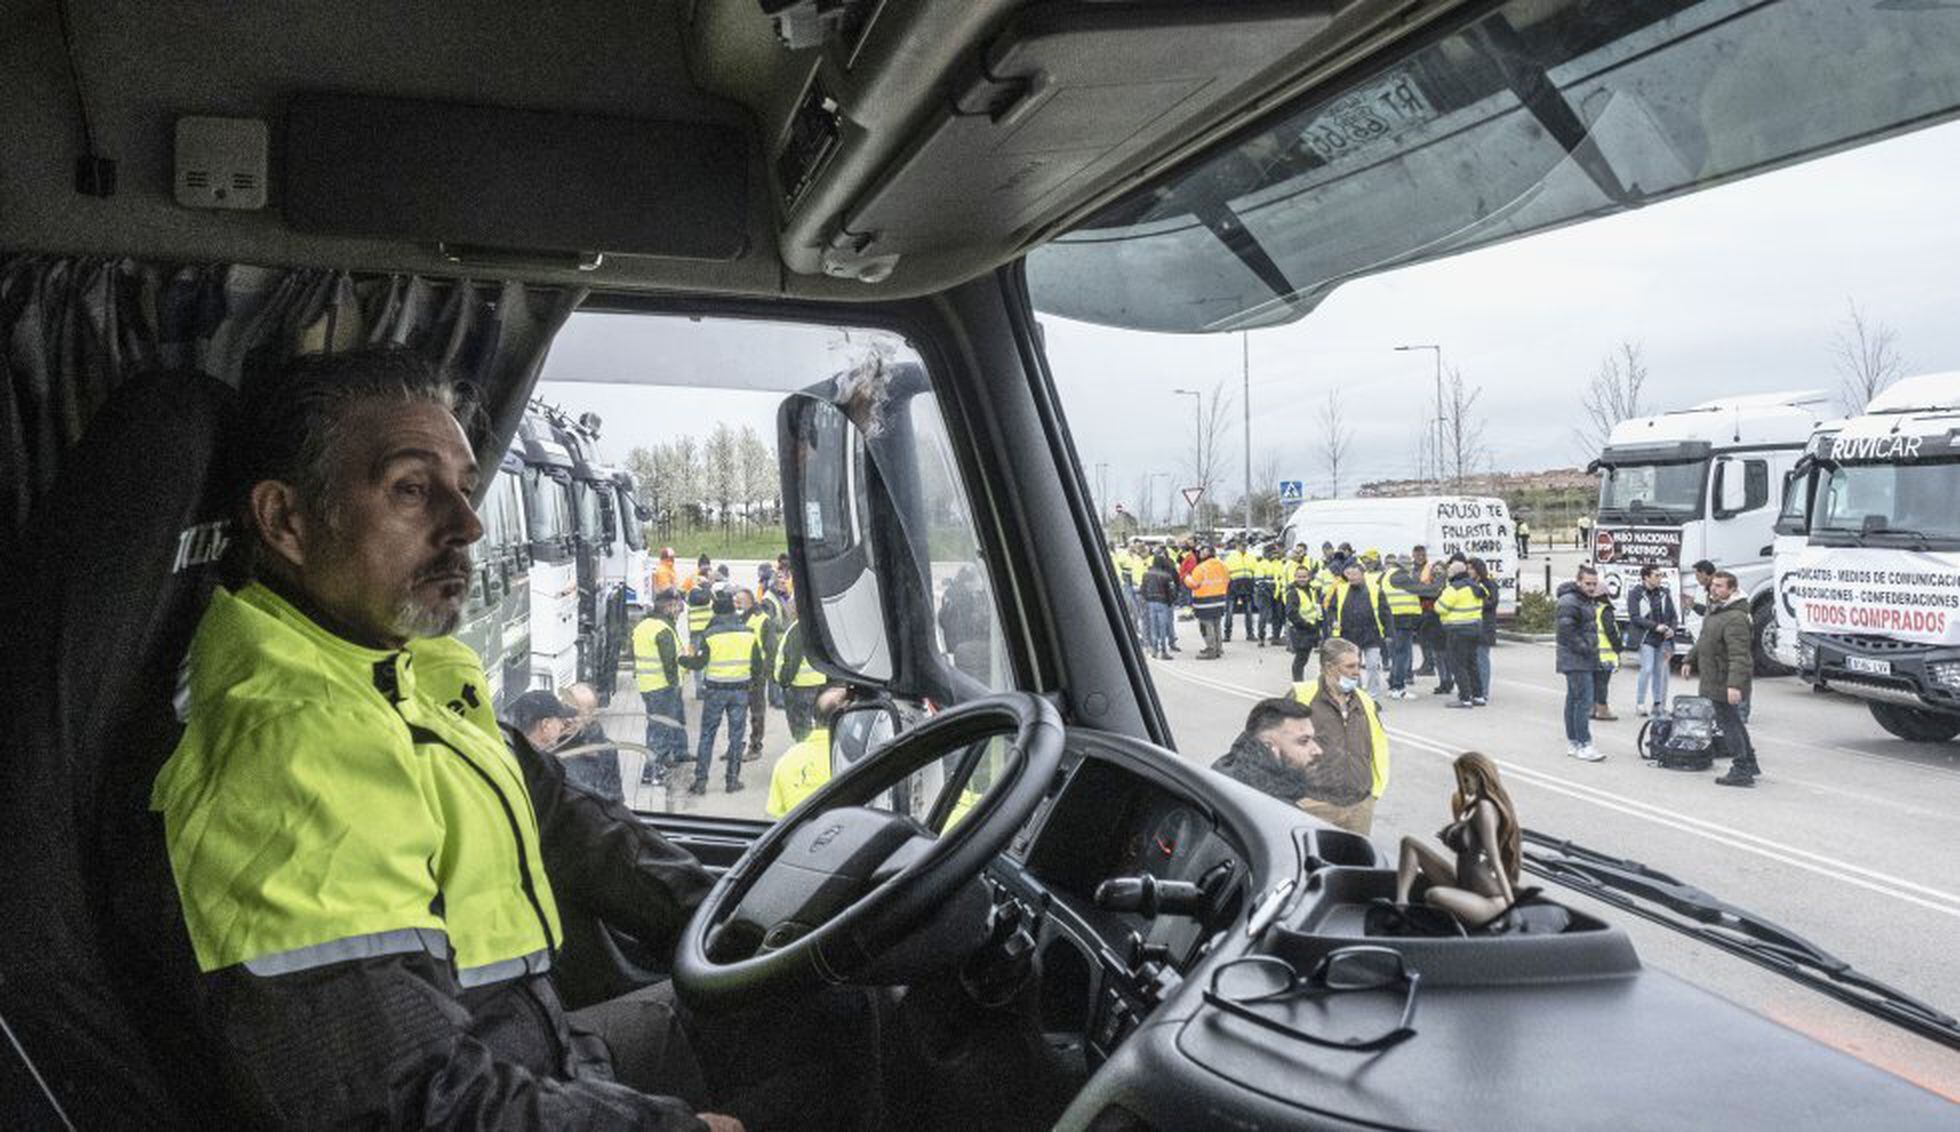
74 329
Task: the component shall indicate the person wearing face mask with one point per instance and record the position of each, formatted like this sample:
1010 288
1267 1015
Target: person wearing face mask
1352 770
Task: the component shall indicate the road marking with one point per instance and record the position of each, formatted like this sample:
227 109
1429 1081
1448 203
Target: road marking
1882 883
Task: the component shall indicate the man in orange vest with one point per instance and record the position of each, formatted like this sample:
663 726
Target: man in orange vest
1209 583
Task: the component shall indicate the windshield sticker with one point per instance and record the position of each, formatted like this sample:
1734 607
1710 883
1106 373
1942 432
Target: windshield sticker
1644 546
1382 109
813 520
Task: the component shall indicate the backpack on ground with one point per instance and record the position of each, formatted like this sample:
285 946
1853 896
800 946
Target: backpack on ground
1685 739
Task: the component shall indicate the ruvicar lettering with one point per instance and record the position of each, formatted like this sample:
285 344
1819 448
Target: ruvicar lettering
1876 447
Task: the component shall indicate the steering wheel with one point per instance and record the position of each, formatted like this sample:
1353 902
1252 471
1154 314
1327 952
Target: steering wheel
835 884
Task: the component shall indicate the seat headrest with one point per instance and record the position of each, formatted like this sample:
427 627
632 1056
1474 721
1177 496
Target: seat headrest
133 533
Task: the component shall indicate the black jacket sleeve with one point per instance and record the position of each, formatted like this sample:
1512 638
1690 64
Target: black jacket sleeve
388 1042
670 658
604 859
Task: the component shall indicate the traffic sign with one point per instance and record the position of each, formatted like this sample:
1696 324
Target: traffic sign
1192 495
1292 491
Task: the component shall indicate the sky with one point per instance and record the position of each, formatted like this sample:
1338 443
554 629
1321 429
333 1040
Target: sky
1739 289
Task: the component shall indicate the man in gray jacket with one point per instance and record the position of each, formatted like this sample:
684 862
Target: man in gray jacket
1726 662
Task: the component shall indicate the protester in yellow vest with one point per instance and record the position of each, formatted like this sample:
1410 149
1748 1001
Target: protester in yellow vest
728 654
805 767
656 676
1352 771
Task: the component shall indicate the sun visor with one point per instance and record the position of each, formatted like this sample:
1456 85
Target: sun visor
486 177
1065 95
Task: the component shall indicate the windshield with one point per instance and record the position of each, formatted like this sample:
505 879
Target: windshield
1633 492
1884 502
636 532
591 522
1503 371
1539 113
549 501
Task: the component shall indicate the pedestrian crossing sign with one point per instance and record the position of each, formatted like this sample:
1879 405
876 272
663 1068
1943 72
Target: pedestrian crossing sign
1292 491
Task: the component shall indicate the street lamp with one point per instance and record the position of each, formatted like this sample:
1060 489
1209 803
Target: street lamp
1438 350
1197 436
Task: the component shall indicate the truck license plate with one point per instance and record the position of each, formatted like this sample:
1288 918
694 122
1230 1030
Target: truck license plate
1864 664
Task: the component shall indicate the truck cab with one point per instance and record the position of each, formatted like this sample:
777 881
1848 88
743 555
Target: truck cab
551 522
1875 589
1697 483
869 207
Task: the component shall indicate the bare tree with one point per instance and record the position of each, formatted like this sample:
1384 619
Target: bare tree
1464 451
1267 510
1612 396
1146 497
1867 359
1207 460
1333 439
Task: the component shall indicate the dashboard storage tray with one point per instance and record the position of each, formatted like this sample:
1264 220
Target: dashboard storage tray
1333 911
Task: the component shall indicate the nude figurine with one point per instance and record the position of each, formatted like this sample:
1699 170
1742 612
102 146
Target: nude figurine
1481 883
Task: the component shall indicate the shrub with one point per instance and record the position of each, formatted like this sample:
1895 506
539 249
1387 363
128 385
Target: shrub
1534 613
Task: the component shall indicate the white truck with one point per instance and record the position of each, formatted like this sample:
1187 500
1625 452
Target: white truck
1479 526
1695 484
551 521
1874 589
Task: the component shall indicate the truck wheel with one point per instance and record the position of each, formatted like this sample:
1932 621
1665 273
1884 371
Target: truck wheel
1916 724
1764 638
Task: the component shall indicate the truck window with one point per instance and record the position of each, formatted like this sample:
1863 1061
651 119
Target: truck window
702 457
1793 518
1755 484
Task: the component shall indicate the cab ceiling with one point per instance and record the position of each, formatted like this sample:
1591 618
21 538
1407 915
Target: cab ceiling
958 133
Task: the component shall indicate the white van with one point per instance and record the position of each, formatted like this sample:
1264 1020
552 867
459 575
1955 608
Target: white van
1478 525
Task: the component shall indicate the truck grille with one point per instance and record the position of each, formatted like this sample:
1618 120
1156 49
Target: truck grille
1862 643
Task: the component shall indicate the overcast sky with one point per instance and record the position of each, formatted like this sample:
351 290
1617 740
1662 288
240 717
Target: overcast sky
1734 290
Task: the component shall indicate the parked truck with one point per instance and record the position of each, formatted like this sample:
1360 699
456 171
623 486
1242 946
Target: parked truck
1695 484
1874 587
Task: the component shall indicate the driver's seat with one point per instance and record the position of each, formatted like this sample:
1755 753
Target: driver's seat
119 560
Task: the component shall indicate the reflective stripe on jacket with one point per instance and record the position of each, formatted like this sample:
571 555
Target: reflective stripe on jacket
1306 690
1208 583
803 674
1401 602
1460 607
649 666
730 646
321 806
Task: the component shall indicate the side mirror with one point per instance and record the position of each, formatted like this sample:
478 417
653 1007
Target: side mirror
860 731
828 512
1731 490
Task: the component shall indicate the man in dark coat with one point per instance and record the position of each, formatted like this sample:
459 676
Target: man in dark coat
1725 658
1577 625
1274 751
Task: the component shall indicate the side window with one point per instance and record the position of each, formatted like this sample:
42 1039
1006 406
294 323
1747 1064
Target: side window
1793 518
691 703
1755 484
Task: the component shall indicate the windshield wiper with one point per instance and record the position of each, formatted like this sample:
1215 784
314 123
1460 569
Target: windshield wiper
1654 895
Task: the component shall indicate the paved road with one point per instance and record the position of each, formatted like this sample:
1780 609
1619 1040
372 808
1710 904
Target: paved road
1848 839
